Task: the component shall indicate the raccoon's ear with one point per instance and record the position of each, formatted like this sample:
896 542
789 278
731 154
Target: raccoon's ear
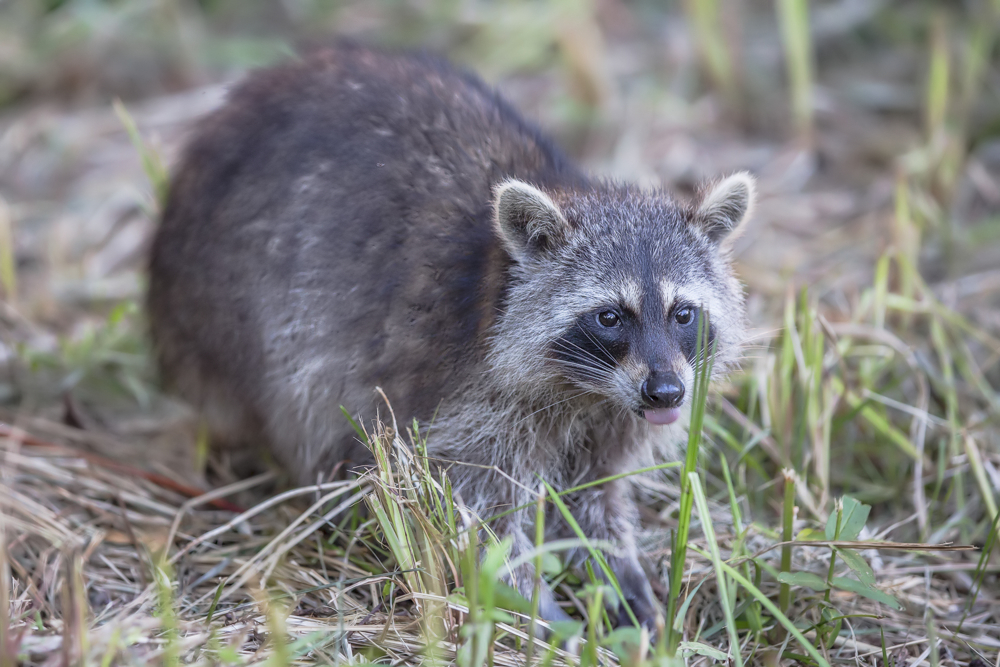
724 206
528 221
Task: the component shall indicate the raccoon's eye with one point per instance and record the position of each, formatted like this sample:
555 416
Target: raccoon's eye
609 319
684 315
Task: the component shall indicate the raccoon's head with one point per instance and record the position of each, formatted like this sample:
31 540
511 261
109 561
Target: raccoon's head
607 288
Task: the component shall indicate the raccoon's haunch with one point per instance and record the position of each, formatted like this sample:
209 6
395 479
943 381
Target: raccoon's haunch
360 219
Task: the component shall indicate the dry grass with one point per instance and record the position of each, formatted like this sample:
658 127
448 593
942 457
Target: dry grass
127 542
111 568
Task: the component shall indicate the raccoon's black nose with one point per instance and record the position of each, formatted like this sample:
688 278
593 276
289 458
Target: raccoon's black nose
663 390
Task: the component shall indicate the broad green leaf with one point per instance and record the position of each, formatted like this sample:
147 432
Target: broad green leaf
855 516
858 565
831 526
705 650
852 521
496 556
807 579
499 615
854 586
229 654
778 616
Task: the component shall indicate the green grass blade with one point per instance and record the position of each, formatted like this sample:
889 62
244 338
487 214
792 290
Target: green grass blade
8 261
720 577
594 553
703 372
778 616
787 517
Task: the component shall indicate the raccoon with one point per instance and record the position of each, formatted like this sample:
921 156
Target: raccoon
360 219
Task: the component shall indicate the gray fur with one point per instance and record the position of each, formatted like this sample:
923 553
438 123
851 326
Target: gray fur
360 219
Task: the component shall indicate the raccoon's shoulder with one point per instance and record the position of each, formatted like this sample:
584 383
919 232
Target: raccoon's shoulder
368 98
411 123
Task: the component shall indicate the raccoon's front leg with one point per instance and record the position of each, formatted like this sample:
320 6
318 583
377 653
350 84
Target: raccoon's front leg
522 577
609 513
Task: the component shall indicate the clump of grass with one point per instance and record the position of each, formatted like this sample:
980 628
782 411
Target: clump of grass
105 359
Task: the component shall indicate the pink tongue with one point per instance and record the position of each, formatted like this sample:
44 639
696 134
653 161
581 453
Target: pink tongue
662 417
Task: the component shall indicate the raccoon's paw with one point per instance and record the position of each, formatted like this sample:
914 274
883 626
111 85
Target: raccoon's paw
549 611
638 595
645 609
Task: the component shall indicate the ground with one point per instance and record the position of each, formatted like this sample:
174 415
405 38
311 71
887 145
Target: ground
871 271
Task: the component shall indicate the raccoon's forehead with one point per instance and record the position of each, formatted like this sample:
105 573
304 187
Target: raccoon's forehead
627 228
661 251
641 271
641 294
636 249
650 293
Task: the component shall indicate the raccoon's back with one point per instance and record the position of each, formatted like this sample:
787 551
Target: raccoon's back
328 230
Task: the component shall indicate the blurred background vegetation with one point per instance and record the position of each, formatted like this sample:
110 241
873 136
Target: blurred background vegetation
873 126
872 265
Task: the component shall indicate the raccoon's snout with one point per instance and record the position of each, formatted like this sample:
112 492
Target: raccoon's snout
662 395
663 390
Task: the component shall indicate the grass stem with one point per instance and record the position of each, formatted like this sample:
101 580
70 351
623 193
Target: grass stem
793 17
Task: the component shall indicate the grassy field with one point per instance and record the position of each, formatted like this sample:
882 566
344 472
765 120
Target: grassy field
838 499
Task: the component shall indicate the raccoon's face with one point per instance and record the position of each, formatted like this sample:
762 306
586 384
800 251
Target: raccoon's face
611 286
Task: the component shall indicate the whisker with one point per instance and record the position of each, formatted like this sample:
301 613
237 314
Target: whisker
585 370
552 405
581 364
611 357
567 343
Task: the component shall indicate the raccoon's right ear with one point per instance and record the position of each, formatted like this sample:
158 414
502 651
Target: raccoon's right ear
724 206
528 221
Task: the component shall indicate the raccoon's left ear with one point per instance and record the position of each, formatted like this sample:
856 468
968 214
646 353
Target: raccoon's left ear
528 221
724 206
